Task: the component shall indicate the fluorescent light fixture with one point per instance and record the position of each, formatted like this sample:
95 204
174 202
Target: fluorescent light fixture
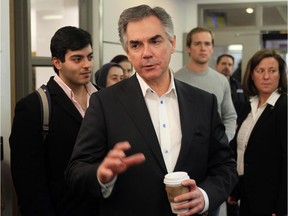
235 47
249 10
52 17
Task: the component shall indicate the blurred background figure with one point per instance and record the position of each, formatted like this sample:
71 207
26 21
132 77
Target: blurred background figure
225 65
238 73
125 64
261 139
200 47
109 74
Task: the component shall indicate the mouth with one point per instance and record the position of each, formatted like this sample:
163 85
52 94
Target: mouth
149 67
86 74
266 84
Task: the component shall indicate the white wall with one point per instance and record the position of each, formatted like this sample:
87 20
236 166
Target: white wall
5 107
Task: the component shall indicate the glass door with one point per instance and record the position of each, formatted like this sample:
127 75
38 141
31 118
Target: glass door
35 22
46 18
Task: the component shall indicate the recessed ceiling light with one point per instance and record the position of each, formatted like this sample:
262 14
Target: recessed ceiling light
249 10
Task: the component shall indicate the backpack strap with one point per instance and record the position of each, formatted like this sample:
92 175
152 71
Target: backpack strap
45 104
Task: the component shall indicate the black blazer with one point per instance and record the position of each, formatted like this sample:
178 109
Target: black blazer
265 161
37 167
119 113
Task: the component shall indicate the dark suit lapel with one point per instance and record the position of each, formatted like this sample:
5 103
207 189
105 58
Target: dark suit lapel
188 110
62 100
267 111
132 100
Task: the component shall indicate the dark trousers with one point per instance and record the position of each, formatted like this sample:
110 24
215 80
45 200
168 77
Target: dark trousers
245 207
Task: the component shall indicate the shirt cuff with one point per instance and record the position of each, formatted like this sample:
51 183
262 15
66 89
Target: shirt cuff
206 201
106 189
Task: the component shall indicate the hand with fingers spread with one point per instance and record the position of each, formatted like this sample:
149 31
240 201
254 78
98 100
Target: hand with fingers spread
195 199
117 162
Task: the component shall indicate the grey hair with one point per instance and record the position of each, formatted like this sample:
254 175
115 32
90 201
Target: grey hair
140 12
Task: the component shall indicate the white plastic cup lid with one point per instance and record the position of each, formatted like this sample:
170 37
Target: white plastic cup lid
175 177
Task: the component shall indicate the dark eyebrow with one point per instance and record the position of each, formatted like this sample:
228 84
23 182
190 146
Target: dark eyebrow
155 37
133 42
76 56
79 56
151 39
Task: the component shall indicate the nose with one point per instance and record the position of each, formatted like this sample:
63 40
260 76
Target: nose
147 51
87 62
126 74
202 46
266 75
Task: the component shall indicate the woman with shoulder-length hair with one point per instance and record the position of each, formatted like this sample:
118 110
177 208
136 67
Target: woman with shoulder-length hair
261 140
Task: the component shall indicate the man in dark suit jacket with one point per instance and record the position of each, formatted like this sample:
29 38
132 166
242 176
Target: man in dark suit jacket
37 167
141 128
225 66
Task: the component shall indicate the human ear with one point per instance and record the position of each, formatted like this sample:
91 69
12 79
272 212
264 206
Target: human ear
57 63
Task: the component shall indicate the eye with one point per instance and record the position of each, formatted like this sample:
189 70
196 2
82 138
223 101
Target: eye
90 58
156 41
76 59
259 71
271 71
134 45
208 43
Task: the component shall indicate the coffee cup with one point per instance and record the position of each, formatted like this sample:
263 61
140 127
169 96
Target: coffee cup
174 188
